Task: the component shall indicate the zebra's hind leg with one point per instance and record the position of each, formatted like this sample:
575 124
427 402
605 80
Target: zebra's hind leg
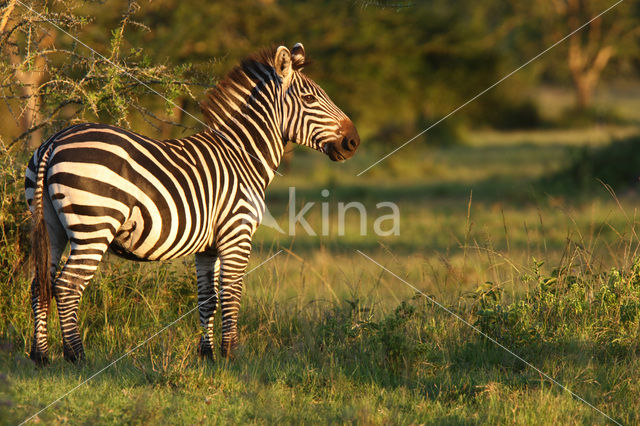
57 243
208 274
80 267
39 346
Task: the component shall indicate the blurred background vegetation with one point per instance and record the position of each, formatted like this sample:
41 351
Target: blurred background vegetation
395 67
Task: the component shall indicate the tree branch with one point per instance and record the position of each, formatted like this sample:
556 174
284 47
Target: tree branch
5 15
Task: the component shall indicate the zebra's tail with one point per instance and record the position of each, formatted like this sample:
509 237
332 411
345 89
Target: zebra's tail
40 236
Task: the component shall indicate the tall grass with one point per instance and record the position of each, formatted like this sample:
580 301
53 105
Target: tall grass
327 336
353 359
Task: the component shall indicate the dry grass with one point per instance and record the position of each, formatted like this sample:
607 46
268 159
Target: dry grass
327 336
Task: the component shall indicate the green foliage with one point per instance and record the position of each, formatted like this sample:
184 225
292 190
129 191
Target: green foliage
388 343
394 70
394 67
509 114
15 222
599 309
14 217
55 80
575 117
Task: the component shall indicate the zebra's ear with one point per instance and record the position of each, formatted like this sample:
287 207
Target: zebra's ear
298 56
282 62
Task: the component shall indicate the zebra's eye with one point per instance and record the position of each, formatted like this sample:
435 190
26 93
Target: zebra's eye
308 98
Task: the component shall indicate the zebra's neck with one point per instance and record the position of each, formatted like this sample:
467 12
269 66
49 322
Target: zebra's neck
259 146
244 112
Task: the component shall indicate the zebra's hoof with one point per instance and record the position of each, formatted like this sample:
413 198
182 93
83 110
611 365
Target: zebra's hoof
40 359
72 356
205 351
228 351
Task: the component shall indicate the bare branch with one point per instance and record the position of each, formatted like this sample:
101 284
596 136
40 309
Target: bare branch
6 14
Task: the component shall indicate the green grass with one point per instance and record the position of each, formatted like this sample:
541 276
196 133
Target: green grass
328 336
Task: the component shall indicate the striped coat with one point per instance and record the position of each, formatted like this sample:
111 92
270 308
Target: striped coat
97 187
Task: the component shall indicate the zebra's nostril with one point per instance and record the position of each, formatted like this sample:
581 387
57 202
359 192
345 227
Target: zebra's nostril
345 144
349 144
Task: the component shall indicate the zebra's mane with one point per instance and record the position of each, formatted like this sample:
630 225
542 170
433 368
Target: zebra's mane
225 94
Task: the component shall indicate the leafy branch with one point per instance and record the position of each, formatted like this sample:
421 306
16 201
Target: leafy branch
48 79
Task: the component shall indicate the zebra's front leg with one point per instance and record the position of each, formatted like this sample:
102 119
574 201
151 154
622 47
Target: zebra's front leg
208 274
75 275
233 264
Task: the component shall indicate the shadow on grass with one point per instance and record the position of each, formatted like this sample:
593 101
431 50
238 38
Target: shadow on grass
518 173
491 189
347 349
425 352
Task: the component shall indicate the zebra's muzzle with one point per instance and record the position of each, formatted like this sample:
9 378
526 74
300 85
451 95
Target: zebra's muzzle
344 148
334 155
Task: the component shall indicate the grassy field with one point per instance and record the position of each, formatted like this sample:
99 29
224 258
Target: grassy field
326 335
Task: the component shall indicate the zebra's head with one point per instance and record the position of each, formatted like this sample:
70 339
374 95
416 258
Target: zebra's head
310 117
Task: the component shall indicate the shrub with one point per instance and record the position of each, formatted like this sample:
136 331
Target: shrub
14 247
601 309
616 164
14 219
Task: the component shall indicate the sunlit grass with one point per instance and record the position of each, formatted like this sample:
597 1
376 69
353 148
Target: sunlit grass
328 336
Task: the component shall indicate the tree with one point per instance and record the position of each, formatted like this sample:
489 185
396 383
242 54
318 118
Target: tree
51 80
593 47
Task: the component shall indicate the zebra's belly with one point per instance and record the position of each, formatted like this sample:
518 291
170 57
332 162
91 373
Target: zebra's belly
127 239
117 249
141 240
132 240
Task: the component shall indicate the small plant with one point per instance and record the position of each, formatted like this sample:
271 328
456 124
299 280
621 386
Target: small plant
391 343
601 309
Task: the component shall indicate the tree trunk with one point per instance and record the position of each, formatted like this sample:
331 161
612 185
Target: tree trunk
30 115
584 72
588 54
583 91
30 78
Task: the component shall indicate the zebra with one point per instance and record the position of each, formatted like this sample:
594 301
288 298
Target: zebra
97 187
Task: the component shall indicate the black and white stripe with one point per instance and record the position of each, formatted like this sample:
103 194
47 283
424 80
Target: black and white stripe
99 187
